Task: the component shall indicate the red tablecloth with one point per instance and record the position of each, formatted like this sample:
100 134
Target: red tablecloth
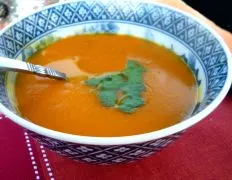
204 152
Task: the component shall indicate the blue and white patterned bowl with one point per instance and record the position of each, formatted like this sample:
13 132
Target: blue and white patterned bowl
201 48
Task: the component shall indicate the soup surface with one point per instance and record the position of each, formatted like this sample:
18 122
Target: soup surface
70 106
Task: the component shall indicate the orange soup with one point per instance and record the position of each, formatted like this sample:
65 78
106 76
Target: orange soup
71 107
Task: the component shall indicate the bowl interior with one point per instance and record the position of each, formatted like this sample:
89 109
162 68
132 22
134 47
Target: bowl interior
199 48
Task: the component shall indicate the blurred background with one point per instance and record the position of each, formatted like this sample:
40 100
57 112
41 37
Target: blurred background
218 11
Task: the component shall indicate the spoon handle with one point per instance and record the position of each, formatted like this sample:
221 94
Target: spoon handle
7 64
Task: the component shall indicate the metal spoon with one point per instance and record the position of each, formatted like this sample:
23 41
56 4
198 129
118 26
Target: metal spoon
7 64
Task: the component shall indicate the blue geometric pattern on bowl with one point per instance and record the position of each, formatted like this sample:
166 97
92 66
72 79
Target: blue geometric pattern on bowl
186 37
105 155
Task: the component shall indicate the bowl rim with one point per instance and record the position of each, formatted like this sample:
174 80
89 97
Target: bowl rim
133 139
